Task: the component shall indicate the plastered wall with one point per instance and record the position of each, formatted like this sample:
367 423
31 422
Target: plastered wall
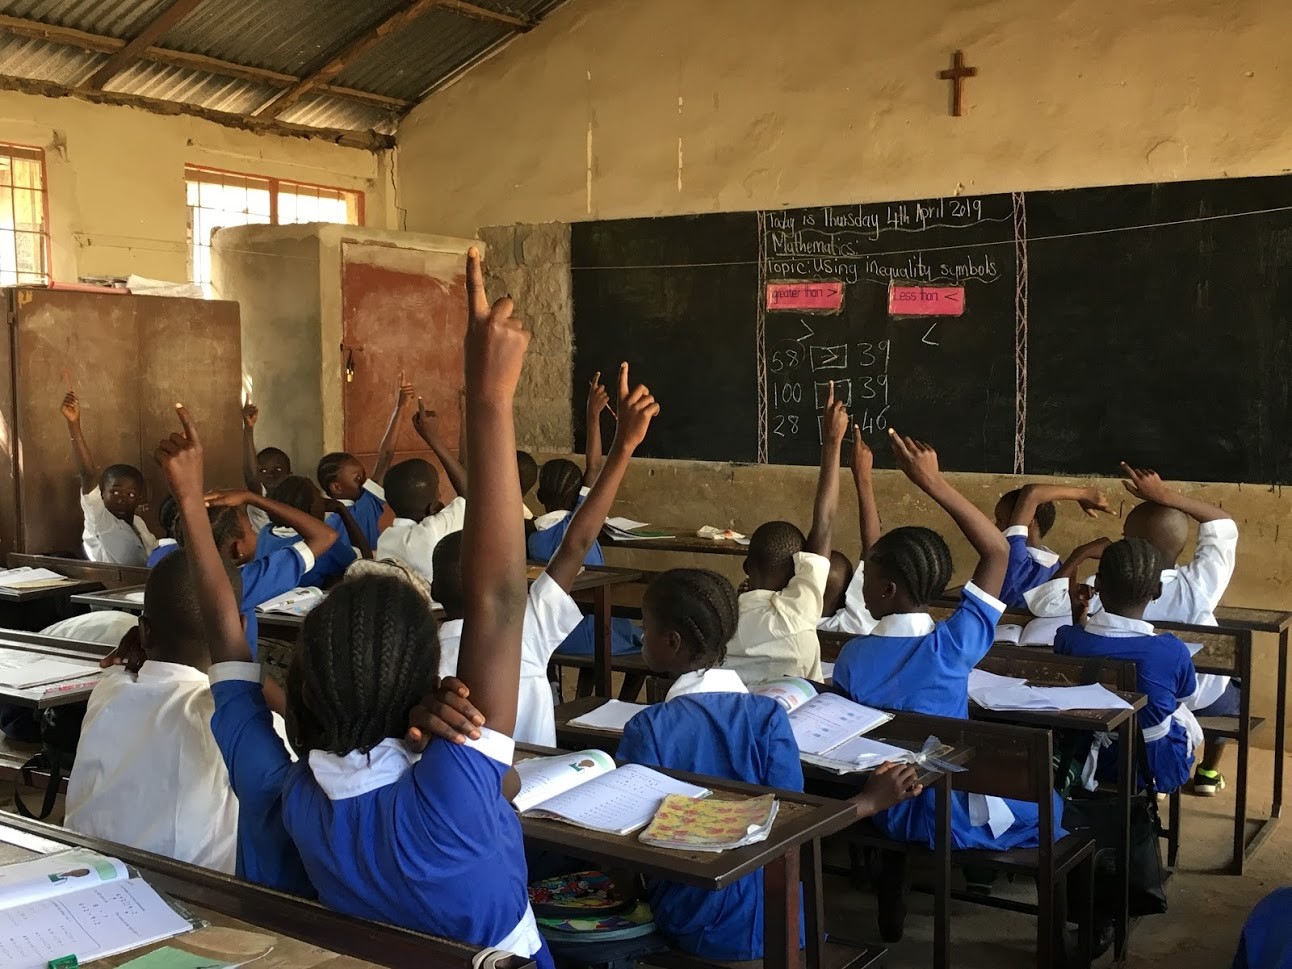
116 179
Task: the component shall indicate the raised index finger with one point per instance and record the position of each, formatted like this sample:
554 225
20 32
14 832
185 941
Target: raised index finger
477 301
623 380
190 429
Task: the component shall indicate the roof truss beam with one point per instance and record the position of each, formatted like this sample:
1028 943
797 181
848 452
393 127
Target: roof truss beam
134 48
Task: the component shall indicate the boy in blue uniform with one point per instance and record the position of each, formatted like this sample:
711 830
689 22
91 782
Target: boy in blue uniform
908 662
342 476
1129 578
1026 516
301 494
711 724
427 843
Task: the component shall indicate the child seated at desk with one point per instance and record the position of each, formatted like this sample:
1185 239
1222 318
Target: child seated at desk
1190 592
777 624
909 662
302 495
710 724
342 476
1026 516
429 843
844 605
113 532
262 469
1129 578
168 518
550 613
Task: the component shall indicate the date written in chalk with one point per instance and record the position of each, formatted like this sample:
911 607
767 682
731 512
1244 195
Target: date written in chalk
926 300
805 296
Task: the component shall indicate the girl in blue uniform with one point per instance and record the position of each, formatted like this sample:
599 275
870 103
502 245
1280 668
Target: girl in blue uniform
710 724
351 543
1129 578
429 843
908 662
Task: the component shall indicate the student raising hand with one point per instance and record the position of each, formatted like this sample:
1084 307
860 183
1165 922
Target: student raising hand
71 407
640 407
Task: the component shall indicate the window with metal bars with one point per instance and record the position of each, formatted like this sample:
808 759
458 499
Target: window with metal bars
24 216
217 199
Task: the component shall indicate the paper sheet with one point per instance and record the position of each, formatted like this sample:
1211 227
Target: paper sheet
861 754
991 811
1043 698
1008 632
136 597
16 578
829 719
1193 648
611 715
22 670
57 874
827 670
625 524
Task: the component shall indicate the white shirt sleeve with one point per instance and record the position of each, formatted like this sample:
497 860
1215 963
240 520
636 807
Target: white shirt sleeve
1213 562
449 519
802 600
376 489
854 617
97 517
550 616
1049 599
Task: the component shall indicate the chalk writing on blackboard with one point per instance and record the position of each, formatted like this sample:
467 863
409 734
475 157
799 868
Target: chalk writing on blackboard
805 295
916 300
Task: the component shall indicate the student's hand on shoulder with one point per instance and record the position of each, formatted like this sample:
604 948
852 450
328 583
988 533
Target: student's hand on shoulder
863 458
1146 485
834 424
598 397
915 459
128 653
445 712
890 784
1093 502
71 407
227 498
180 457
637 408
249 414
496 339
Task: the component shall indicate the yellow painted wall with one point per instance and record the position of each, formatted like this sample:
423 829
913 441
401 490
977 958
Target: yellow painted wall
116 178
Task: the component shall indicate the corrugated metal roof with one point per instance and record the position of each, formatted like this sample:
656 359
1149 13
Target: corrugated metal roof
292 37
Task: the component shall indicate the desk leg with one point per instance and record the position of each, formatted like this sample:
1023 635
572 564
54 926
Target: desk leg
781 912
1244 747
942 876
813 902
1127 740
602 640
1280 725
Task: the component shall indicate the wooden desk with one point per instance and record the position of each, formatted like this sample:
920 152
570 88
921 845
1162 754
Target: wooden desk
56 697
54 590
110 576
597 582
117 600
683 540
305 935
801 822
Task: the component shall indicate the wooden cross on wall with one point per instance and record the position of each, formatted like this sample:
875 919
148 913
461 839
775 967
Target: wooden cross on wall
956 75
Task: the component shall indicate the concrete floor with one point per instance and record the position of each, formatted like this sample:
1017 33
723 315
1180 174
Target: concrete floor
1200 930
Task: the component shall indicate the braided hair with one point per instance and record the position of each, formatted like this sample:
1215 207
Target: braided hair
1130 572
296 491
527 468
368 653
700 606
917 559
558 484
330 466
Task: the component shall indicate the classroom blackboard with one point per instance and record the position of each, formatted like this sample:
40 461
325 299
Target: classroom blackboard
1151 323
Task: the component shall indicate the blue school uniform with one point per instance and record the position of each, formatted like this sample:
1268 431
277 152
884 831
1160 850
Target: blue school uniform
910 663
550 529
242 726
165 546
269 576
367 511
1028 567
330 565
1266 942
711 725
1163 673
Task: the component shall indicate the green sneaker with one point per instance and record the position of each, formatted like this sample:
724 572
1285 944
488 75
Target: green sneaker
1208 783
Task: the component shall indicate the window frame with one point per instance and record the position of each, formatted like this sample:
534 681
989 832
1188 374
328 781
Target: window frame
45 232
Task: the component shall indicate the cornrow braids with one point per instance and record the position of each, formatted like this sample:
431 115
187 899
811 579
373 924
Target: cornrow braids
296 491
559 481
329 466
368 653
1045 515
700 606
1130 572
916 558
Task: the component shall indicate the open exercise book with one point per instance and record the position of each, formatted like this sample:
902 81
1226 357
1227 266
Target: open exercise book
822 722
295 602
587 789
23 670
80 903
627 530
1038 632
27 577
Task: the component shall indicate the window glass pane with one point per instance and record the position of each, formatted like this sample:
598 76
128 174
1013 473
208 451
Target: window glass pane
24 237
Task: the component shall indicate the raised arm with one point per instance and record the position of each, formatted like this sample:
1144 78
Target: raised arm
598 400
180 457
1033 496
636 410
85 466
316 535
863 467
353 530
1147 485
462 429
493 541
424 424
1090 551
919 462
250 464
386 450
834 425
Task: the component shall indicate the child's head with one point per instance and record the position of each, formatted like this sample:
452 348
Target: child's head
528 469
836 585
171 628
413 489
1167 529
688 617
1129 577
769 563
1038 527
300 493
122 488
367 655
446 574
234 536
906 570
168 517
558 485
272 466
341 476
